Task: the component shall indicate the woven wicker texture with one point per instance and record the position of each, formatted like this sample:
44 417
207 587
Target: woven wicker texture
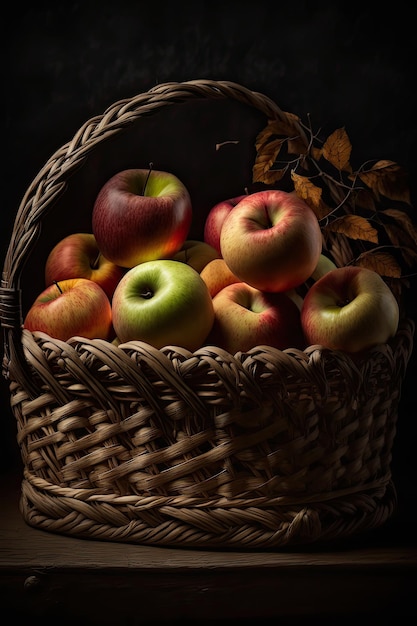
265 449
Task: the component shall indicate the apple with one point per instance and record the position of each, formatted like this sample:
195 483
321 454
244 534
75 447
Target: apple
78 256
141 215
271 240
217 274
215 218
196 254
323 266
72 307
245 317
163 302
349 308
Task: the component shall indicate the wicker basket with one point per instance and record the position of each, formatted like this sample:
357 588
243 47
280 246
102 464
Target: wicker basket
266 449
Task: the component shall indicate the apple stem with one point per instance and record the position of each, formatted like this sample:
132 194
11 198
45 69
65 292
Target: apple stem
56 283
147 178
95 264
147 293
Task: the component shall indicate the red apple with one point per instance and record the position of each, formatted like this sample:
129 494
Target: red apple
141 215
271 240
72 307
196 254
217 275
78 256
349 308
215 218
244 317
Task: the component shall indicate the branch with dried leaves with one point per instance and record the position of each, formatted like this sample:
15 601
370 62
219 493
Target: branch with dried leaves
365 214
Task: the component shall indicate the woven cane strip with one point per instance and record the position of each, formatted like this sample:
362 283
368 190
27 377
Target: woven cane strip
216 524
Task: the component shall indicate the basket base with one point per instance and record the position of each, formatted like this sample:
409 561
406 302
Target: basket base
224 524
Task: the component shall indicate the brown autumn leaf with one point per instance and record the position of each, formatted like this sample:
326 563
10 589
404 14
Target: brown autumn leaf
404 221
354 227
337 150
311 194
381 262
365 199
316 153
271 176
409 255
388 179
265 160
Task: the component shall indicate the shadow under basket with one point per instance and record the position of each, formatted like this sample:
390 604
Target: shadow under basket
263 449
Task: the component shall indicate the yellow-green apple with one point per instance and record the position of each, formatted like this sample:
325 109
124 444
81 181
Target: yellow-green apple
271 240
245 317
323 266
349 308
78 256
215 218
196 253
217 274
72 307
141 215
163 302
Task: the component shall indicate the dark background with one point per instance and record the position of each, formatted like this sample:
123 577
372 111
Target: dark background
345 64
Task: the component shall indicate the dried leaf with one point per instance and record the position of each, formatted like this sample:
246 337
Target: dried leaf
296 146
355 227
381 262
365 199
388 179
337 150
270 177
265 160
287 128
404 221
316 153
409 255
309 192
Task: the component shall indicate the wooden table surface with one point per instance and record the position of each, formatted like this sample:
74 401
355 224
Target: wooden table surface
62 580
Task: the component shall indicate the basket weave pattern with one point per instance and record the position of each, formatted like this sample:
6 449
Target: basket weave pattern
207 449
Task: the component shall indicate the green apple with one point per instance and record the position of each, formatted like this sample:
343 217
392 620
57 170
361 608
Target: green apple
163 302
349 308
72 307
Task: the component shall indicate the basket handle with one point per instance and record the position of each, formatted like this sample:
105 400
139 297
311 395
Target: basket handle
50 183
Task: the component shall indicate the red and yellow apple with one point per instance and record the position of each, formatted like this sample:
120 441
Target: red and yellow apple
72 307
78 256
349 308
196 254
217 274
163 302
215 218
245 317
271 240
141 215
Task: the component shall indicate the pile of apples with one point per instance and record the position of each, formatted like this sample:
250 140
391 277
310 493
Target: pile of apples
137 276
